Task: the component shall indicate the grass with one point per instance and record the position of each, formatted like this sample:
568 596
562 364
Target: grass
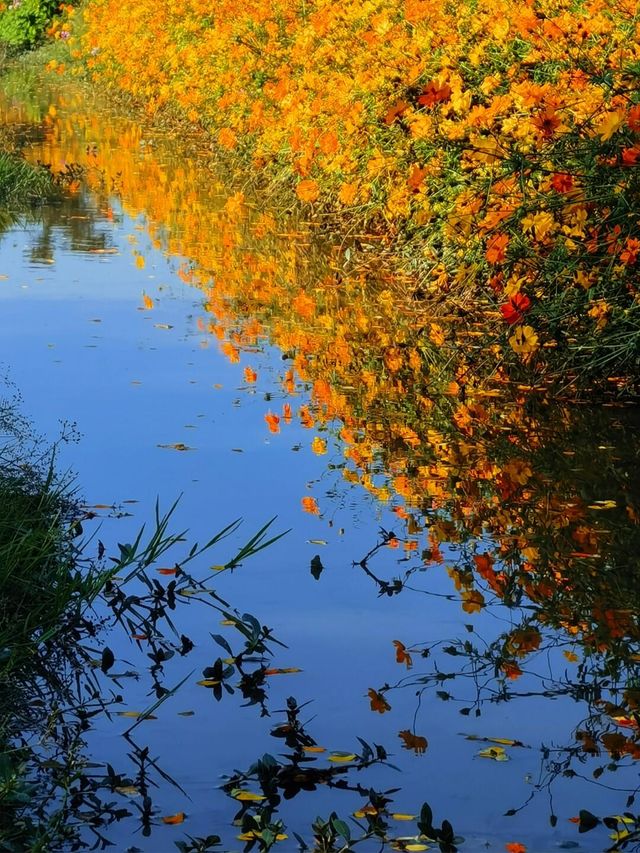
21 183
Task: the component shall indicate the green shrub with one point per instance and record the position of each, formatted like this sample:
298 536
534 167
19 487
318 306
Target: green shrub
23 23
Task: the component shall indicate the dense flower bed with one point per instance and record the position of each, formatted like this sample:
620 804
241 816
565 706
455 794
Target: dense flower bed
498 140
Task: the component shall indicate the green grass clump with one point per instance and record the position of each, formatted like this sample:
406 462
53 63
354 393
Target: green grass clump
23 183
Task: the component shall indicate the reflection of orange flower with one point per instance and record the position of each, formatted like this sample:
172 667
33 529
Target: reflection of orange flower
415 742
402 655
250 375
515 847
511 670
273 422
378 702
310 505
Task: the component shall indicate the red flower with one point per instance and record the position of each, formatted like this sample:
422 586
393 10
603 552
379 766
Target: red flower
561 182
513 310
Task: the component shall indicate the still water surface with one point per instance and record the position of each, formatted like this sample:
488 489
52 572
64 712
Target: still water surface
154 308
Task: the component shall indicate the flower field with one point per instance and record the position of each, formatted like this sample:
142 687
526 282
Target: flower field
495 145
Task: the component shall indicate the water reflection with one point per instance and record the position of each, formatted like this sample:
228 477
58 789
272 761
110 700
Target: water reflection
518 510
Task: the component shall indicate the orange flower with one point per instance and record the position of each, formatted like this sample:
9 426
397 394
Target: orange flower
497 248
308 190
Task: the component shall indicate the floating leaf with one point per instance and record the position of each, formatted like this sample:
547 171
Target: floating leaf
136 714
173 819
167 571
399 816
282 670
128 790
504 741
342 757
497 753
177 446
247 796
162 326
314 748
208 682
317 542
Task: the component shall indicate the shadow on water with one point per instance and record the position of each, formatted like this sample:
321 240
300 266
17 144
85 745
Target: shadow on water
511 514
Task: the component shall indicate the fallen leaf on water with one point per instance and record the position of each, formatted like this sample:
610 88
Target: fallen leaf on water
128 790
342 757
285 670
167 571
247 796
497 753
208 682
172 819
317 542
178 446
109 251
135 714
227 622
398 816
186 713
162 326
253 835
504 741
139 636
314 749
603 505
365 810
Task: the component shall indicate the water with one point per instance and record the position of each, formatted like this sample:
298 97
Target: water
155 308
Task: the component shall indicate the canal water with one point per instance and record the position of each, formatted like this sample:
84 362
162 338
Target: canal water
209 348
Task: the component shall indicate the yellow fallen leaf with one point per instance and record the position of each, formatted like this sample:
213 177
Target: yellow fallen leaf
497 753
342 757
314 748
398 816
603 505
208 682
247 796
252 835
128 790
136 714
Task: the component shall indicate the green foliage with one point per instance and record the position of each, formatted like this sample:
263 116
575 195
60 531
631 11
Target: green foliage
23 24
21 182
